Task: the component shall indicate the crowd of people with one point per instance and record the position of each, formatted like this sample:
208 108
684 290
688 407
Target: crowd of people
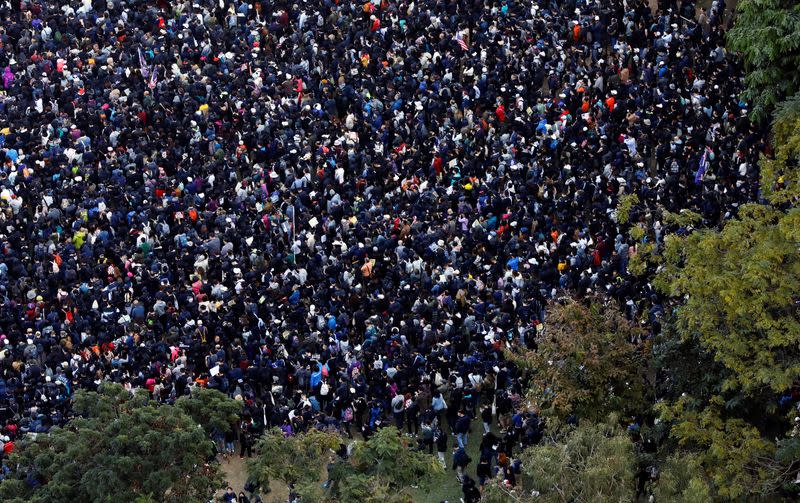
340 213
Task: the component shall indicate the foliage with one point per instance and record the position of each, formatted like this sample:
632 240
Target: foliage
386 460
122 448
767 35
297 460
593 462
780 175
731 348
683 480
496 492
684 365
588 362
624 207
741 286
380 469
645 254
211 409
360 487
731 450
684 218
786 111
783 469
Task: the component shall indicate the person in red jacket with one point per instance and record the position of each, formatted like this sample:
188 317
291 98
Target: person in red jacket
8 448
500 111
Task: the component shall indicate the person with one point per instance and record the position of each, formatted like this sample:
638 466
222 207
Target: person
439 406
229 496
486 418
427 436
461 429
398 410
229 438
347 419
246 437
470 491
440 438
412 413
484 470
460 461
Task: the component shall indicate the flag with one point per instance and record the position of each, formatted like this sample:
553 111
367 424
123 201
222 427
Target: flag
461 42
702 167
143 65
153 78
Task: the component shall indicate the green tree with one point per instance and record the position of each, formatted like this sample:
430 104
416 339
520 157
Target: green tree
378 470
682 480
122 448
590 463
780 173
298 461
646 252
387 464
211 409
741 286
733 452
589 362
626 204
767 35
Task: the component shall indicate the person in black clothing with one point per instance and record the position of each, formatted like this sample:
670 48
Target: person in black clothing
484 470
461 429
471 492
441 445
412 415
229 438
246 437
486 418
460 461
428 434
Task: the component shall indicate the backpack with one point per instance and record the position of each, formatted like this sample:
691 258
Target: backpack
476 382
348 414
324 389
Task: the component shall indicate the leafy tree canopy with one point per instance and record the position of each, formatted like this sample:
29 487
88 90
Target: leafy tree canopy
741 287
210 408
380 469
733 452
589 362
682 480
767 35
593 462
298 461
122 448
780 173
386 465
